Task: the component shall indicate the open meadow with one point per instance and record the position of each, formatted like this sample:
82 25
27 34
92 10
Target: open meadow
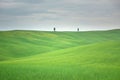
44 55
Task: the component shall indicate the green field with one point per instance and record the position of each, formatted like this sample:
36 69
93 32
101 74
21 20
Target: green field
44 55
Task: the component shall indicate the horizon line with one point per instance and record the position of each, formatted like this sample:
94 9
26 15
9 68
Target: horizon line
58 30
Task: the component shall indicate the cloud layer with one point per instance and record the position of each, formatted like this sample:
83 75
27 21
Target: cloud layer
63 14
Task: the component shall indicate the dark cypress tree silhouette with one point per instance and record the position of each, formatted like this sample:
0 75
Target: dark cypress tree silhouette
77 29
54 29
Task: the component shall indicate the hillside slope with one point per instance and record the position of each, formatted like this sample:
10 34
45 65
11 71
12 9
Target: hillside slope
104 53
32 55
16 44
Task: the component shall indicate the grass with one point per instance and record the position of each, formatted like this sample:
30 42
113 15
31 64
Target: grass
37 55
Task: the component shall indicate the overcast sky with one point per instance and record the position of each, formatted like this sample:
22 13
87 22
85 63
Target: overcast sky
62 14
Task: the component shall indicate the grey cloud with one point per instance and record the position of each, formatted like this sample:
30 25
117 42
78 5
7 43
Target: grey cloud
30 1
64 12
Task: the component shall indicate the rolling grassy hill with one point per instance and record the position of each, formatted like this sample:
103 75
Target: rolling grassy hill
39 55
